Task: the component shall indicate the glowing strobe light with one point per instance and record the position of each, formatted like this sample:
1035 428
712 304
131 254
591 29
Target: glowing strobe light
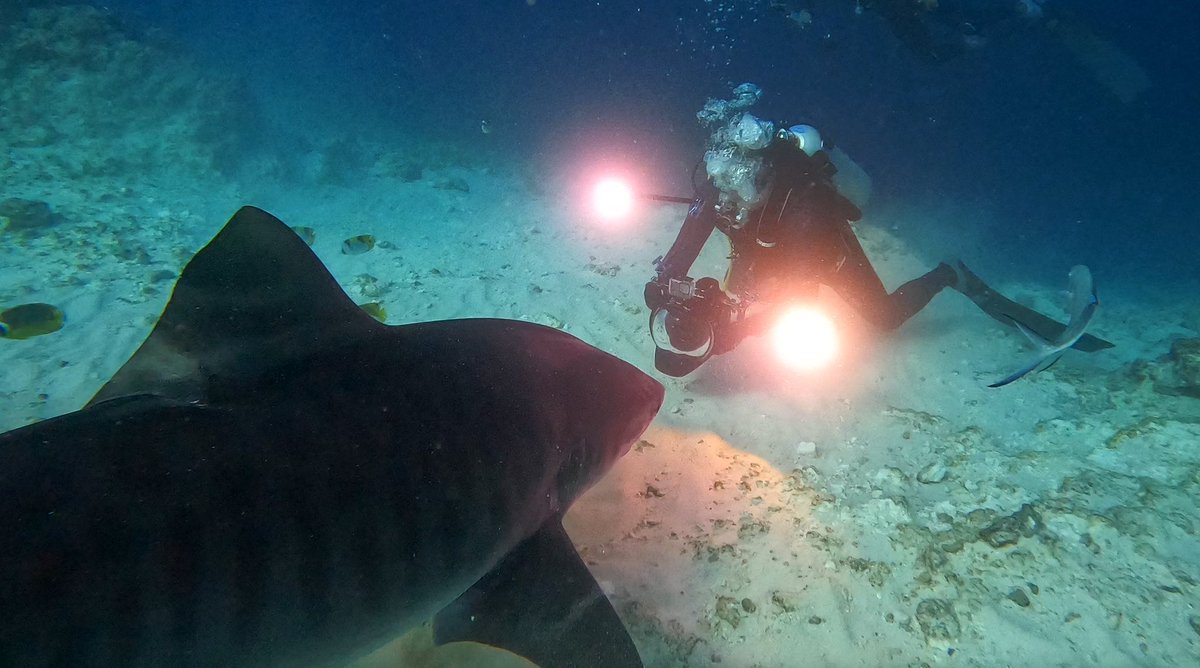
612 199
805 339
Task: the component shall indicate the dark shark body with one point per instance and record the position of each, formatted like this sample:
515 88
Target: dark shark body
275 479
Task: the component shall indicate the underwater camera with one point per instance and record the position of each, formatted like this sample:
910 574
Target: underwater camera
689 323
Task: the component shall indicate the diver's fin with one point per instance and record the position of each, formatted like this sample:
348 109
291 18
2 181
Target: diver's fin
1009 312
1037 341
1019 373
255 288
1049 362
1084 305
542 604
1037 364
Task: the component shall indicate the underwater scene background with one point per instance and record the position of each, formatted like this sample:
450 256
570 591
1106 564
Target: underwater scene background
891 510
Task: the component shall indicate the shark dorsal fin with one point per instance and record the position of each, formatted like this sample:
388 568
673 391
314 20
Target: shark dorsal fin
255 290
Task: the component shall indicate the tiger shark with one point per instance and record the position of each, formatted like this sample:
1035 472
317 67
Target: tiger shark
1082 305
277 479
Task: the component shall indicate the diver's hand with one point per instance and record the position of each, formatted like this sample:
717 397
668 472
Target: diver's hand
656 295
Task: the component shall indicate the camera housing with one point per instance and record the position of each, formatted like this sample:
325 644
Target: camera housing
690 321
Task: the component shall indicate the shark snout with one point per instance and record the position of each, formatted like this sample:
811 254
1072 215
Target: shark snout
631 399
612 403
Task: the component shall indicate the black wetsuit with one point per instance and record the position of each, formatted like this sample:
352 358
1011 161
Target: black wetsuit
800 237
797 239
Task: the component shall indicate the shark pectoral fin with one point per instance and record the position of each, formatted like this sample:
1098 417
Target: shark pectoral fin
543 604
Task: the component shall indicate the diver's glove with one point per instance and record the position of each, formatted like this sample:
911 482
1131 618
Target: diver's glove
656 294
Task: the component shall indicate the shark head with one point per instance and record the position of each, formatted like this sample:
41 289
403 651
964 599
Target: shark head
596 442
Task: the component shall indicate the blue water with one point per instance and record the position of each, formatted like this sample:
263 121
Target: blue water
1016 126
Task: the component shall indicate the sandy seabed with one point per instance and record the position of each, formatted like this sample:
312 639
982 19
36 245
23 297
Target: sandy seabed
1051 522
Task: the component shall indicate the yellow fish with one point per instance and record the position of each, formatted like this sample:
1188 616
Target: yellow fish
358 245
26 320
308 234
375 310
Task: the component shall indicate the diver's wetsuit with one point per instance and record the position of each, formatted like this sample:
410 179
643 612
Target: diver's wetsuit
797 239
800 237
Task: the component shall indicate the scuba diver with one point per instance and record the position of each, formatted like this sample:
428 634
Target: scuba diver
772 194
